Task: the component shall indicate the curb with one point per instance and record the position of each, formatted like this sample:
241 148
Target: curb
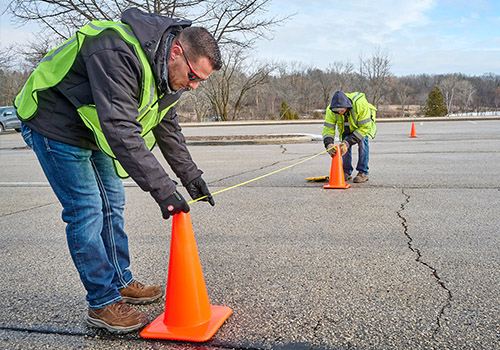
321 121
252 139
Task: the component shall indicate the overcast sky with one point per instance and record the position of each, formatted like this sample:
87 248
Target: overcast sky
419 36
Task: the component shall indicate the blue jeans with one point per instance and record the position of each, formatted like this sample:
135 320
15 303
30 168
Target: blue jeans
92 197
363 157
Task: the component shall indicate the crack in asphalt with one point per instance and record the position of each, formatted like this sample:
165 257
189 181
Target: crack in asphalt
243 173
27 209
418 259
283 150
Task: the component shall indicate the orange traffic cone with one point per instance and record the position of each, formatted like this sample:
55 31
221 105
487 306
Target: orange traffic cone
413 133
188 314
337 172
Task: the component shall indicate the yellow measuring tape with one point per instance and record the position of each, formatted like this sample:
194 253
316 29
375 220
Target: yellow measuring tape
260 177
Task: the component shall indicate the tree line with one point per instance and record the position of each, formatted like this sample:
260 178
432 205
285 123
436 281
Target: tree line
246 88
307 91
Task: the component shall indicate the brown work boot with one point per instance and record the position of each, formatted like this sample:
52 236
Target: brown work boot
118 317
138 293
361 177
347 176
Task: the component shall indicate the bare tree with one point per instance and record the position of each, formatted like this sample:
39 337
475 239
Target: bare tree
465 94
11 81
227 88
342 72
35 49
403 93
194 105
456 91
296 86
63 17
6 57
449 86
497 97
238 22
485 86
376 70
234 24
323 82
254 79
336 77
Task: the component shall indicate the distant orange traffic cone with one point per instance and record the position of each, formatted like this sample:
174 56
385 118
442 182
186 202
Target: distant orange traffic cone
337 172
188 314
413 133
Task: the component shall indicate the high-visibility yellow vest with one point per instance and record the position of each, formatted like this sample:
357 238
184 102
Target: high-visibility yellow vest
360 120
57 63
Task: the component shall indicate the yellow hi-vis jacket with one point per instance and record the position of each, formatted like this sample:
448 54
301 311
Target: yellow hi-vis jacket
360 121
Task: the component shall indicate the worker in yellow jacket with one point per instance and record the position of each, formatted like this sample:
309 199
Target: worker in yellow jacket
354 117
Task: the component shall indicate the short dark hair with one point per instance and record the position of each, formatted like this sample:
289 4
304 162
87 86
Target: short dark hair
200 43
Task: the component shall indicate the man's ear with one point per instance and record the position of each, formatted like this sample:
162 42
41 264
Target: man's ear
175 51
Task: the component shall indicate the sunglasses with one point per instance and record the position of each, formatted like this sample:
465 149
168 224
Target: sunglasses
192 76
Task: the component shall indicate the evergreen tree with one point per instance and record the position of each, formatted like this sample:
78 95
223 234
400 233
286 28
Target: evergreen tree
435 104
286 113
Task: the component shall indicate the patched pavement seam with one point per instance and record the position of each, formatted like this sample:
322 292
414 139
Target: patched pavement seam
418 259
101 334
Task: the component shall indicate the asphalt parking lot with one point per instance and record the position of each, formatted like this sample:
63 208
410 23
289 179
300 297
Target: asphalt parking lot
408 260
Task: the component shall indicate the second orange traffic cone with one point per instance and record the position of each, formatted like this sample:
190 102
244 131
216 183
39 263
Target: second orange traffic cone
337 172
413 133
188 314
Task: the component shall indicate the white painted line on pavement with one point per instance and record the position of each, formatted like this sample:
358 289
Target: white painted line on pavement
46 184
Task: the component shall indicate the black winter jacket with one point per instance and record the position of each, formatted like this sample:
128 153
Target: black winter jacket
107 74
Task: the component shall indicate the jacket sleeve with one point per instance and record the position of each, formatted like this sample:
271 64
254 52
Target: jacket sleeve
115 74
329 127
364 121
172 143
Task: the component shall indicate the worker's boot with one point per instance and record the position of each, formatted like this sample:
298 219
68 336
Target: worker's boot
138 293
118 317
361 177
347 176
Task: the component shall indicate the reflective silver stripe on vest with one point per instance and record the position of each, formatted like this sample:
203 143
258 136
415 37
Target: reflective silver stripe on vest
92 25
49 58
353 115
327 136
328 125
359 93
358 135
365 121
347 123
151 98
21 96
